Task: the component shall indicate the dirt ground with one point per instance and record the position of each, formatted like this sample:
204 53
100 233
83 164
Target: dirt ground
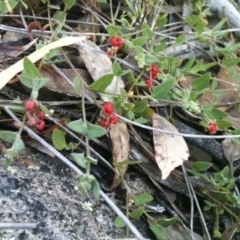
46 195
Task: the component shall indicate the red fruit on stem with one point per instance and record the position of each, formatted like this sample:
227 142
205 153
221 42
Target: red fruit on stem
32 121
108 108
154 71
104 123
40 114
114 119
116 42
149 83
212 128
30 105
40 125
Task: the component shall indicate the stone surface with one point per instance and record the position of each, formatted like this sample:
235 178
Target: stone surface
47 196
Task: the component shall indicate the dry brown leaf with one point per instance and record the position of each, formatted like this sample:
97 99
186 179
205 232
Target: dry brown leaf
120 149
231 149
99 65
170 150
57 84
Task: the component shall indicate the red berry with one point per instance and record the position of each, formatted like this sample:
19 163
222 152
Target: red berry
116 42
114 119
104 123
108 108
149 83
40 114
30 105
40 125
32 121
212 128
154 71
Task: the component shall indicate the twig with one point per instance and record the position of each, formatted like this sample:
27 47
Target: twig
175 133
197 203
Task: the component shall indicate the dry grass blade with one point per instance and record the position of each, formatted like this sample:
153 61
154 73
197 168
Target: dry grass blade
10 72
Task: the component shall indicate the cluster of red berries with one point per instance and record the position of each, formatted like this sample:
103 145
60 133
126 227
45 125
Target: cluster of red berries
35 116
109 116
212 128
153 75
115 43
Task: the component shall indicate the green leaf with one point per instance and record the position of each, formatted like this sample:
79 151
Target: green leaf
158 230
91 130
44 109
18 144
143 198
30 69
54 6
160 47
96 189
77 126
189 64
167 222
140 106
160 91
140 41
180 39
207 208
161 22
117 70
26 80
79 159
77 84
200 27
216 113
113 30
3 7
58 139
229 62
39 83
141 120
8 136
206 66
119 223
219 25
34 93
223 124
69 3
95 131
147 31
201 166
102 83
193 19
137 213
150 59
208 203
201 82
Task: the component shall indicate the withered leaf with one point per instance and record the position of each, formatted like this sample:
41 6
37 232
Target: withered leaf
170 150
99 65
120 149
